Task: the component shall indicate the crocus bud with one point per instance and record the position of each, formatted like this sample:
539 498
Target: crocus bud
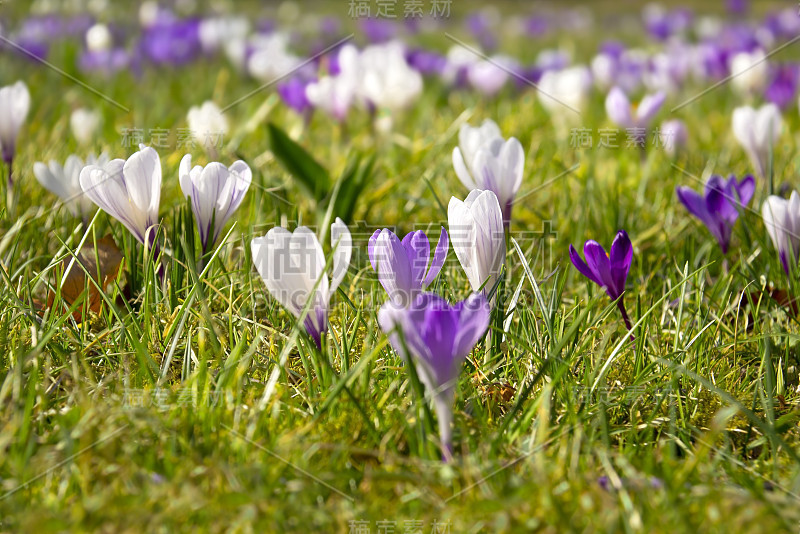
84 124
484 160
129 191
216 192
208 125
476 231
757 130
15 101
292 266
782 219
98 38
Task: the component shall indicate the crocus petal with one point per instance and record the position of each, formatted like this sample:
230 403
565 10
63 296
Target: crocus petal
618 108
418 250
371 249
439 257
649 108
343 243
394 269
599 263
584 269
620 260
473 321
142 173
461 169
746 188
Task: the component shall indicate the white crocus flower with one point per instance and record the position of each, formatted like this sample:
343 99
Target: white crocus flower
99 38
782 219
292 265
15 102
563 93
749 72
332 94
208 126
84 124
216 192
270 58
64 182
484 160
476 231
757 130
129 191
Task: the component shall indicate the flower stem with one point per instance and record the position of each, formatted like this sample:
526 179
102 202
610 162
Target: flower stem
624 312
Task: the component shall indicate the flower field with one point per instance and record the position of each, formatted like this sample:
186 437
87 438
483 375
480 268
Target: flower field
399 266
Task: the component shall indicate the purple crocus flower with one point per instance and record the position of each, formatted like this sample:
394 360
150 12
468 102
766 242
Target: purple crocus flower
718 206
402 266
782 90
293 94
437 337
609 271
172 41
426 62
379 30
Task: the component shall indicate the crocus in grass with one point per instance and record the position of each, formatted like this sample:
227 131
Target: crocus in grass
563 93
84 123
15 101
128 190
216 191
292 265
749 71
609 271
719 205
405 267
484 160
476 230
637 118
673 135
208 126
438 337
757 130
64 182
782 219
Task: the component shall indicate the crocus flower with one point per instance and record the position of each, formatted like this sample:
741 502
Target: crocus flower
208 126
84 124
757 130
216 192
402 266
15 101
129 191
292 264
782 89
609 271
718 207
64 182
476 230
484 160
293 94
564 93
333 95
624 114
171 41
439 337
673 135
782 219
749 71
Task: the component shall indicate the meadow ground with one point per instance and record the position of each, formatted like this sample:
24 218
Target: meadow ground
197 405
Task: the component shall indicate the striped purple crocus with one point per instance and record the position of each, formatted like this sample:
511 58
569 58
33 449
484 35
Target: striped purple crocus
404 267
719 205
437 336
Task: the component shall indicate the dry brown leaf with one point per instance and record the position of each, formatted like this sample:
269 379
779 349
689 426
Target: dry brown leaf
103 266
